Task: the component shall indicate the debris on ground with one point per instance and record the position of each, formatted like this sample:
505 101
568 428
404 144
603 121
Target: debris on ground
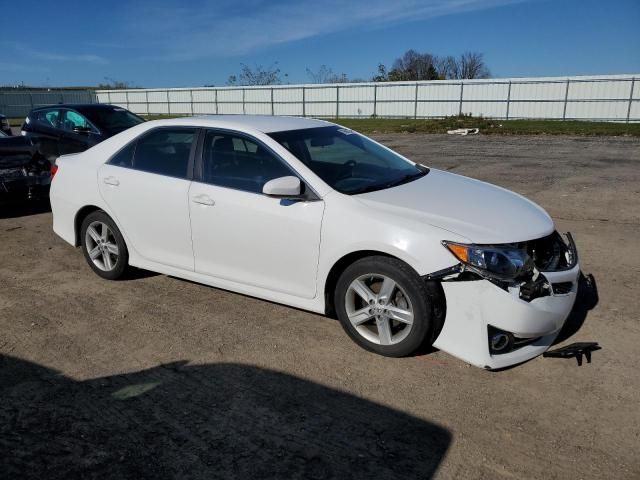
464 131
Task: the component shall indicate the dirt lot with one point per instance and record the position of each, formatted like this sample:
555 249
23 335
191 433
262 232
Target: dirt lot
161 378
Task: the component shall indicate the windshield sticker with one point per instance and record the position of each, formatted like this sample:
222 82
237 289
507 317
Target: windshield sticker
346 131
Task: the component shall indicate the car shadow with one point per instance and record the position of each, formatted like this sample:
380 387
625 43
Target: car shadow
24 208
134 273
586 300
203 421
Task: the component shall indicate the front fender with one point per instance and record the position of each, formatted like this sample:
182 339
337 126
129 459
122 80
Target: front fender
349 226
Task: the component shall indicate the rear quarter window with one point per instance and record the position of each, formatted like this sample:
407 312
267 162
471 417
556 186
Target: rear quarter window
124 158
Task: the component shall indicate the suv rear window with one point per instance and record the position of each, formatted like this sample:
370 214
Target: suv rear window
112 120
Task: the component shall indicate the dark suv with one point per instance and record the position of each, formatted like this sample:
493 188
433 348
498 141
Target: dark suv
62 129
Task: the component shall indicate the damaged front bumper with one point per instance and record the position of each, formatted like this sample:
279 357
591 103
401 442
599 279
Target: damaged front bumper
19 185
493 325
24 173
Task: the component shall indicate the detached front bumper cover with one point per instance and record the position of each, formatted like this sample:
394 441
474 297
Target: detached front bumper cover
534 308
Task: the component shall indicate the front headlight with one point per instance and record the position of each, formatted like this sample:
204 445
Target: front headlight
502 262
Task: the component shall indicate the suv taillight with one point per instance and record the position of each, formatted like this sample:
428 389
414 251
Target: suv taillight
54 169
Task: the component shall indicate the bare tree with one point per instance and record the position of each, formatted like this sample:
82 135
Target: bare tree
425 66
413 66
325 74
258 75
471 65
447 67
111 84
382 76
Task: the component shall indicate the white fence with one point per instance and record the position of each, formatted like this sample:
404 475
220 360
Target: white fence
606 98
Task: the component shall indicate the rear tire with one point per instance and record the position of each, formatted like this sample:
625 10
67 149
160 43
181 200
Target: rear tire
385 307
103 246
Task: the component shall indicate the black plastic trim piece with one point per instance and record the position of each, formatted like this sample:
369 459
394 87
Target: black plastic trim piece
445 272
576 350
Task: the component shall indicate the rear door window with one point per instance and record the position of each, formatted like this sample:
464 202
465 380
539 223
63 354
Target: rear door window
164 151
47 118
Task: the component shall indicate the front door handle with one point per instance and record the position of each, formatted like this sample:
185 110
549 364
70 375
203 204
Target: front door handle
203 199
111 181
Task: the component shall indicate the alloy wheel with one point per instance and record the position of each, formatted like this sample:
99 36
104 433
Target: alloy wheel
379 309
102 246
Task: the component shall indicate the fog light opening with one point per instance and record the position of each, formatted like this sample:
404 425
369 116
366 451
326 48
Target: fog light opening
499 342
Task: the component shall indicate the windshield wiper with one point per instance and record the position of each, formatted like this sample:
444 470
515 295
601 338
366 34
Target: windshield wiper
404 179
408 178
368 188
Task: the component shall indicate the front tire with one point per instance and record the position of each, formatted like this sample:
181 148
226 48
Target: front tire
385 307
103 246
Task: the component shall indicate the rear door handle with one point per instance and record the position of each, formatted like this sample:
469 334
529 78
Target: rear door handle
111 181
203 199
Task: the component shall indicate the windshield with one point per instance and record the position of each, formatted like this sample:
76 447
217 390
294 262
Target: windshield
347 161
113 120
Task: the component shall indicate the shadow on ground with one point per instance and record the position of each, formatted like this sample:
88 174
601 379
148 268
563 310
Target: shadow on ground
24 208
586 300
208 421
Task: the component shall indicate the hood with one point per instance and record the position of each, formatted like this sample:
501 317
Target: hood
478 211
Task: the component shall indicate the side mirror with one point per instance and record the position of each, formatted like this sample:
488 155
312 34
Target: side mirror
82 130
283 187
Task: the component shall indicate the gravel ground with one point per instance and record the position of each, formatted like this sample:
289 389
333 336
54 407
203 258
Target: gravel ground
156 377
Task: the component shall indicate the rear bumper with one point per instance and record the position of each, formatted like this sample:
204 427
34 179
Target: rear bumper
475 307
64 214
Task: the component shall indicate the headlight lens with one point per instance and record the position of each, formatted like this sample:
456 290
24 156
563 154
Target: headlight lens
503 262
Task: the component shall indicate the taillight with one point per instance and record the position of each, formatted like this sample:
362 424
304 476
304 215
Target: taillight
54 169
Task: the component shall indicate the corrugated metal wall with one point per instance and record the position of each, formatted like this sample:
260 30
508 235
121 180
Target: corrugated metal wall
609 98
18 103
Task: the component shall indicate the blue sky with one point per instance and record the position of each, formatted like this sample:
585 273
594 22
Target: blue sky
192 43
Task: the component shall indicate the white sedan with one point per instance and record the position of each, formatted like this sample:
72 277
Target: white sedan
311 214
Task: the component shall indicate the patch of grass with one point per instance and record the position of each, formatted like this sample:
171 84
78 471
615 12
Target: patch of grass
491 127
486 126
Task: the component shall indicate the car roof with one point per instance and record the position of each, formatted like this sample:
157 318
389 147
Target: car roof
80 106
260 123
